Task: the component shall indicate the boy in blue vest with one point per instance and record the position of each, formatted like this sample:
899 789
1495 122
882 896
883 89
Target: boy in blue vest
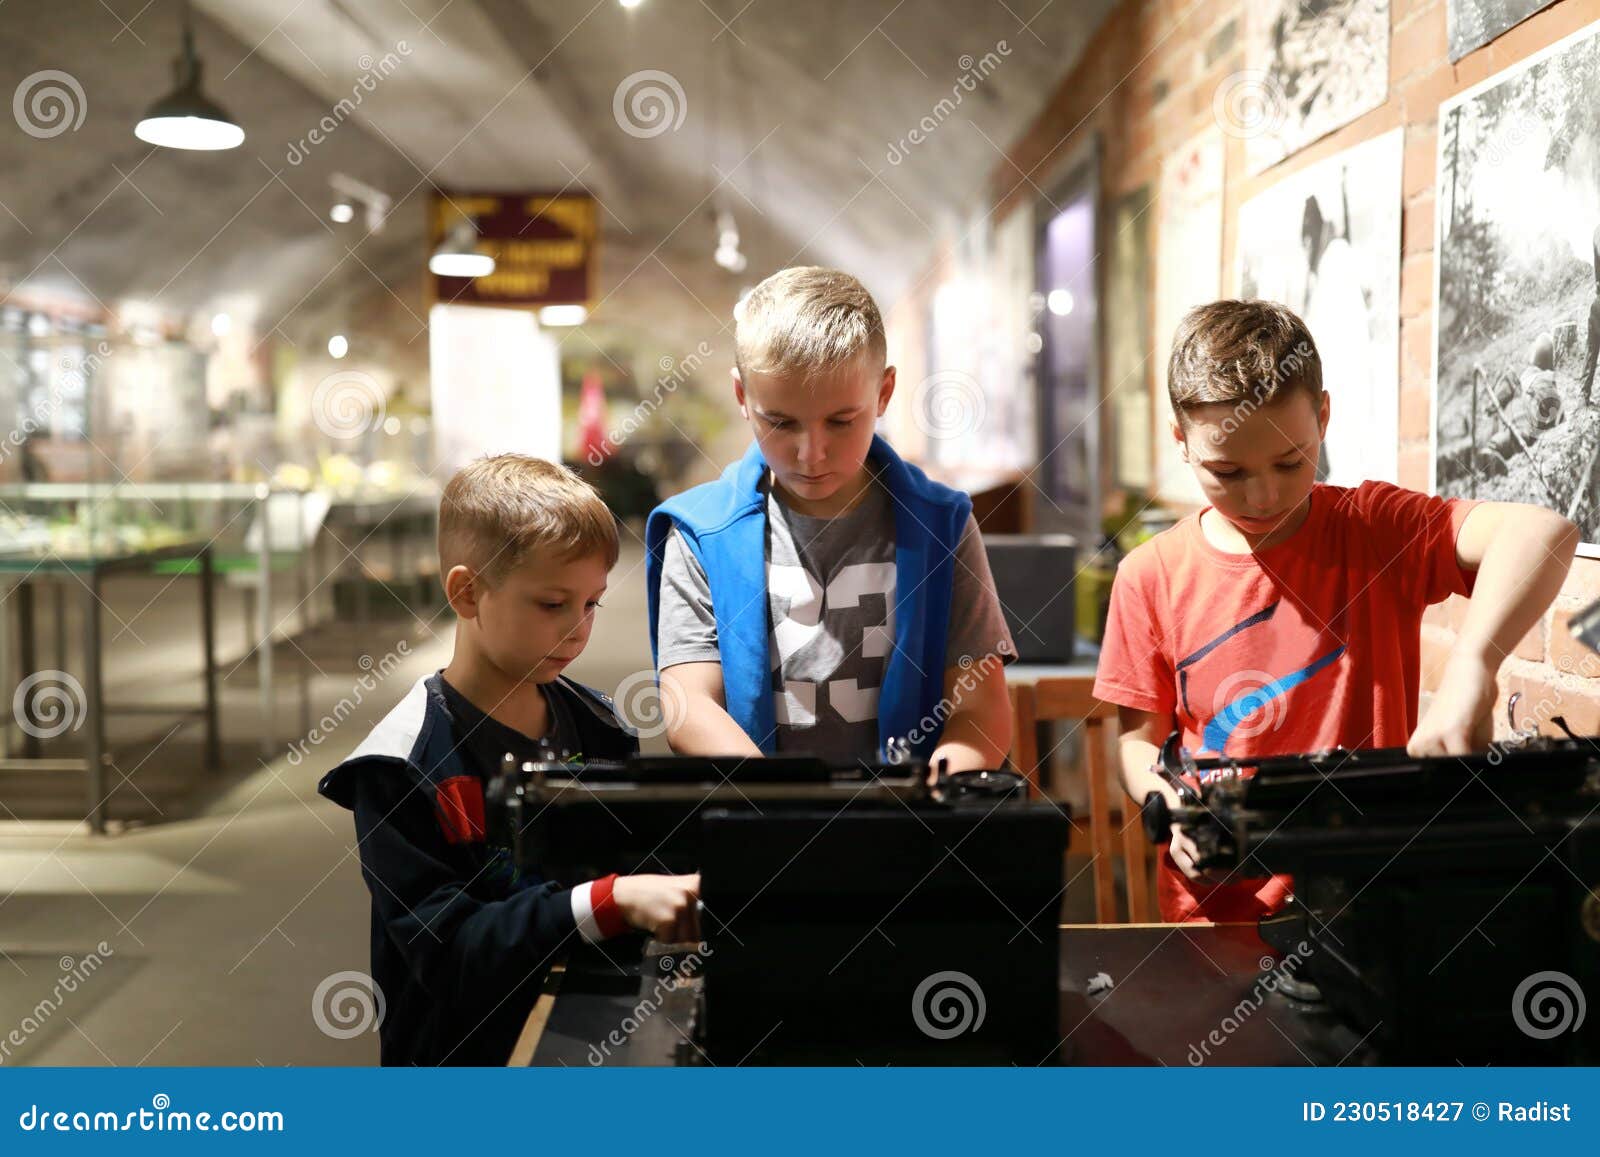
461 938
824 596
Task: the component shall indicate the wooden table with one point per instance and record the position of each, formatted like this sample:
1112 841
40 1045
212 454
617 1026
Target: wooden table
1176 991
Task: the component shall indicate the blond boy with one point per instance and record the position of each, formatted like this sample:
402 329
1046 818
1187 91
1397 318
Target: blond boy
824 596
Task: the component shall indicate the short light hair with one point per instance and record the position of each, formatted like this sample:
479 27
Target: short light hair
498 513
807 320
1251 352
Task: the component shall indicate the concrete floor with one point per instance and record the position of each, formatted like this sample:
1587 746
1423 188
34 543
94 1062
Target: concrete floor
221 918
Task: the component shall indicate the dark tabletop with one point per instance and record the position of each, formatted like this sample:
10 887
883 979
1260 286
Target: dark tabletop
49 562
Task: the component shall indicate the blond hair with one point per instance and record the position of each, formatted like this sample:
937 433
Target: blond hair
807 320
498 512
1249 352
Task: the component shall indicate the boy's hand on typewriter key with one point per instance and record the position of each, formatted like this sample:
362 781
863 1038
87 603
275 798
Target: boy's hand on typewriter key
1183 850
1459 719
667 907
1184 854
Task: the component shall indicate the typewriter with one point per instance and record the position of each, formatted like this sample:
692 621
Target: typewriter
862 912
1448 909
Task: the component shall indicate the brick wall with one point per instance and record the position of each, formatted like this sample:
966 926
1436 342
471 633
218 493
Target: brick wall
1146 85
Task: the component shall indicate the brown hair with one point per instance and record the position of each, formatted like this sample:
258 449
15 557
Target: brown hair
497 512
807 320
1250 352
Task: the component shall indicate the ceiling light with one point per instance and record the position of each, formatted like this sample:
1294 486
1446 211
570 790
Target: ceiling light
458 256
563 315
351 194
727 254
338 346
186 118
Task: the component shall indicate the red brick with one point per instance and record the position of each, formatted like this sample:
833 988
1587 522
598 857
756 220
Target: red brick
1413 467
1506 684
1417 44
1416 226
1541 701
1415 412
1566 653
1416 351
1421 160
1416 285
1580 706
1401 11
1531 645
1421 95
1436 644
1584 581
1441 622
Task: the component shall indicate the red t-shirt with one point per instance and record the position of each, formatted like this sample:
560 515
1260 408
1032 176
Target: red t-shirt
1311 644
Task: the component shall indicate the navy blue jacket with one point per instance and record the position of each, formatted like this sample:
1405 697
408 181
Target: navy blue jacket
460 944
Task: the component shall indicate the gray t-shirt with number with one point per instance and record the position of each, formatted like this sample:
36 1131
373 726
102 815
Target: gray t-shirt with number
830 619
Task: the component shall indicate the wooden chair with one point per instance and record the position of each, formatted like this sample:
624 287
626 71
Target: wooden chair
1113 830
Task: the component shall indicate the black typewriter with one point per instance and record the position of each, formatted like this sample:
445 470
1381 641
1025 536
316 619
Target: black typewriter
851 912
1448 909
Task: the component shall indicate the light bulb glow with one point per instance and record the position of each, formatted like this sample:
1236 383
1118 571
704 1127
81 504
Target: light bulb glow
197 133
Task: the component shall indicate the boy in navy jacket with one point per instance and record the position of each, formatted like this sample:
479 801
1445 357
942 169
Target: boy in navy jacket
461 941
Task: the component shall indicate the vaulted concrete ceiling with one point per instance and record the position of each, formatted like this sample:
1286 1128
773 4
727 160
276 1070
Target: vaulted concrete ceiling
790 111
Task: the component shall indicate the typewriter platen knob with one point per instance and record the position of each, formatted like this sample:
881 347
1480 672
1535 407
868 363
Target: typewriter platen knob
1157 815
990 785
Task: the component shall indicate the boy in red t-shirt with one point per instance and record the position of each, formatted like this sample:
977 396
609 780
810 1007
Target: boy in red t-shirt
1286 616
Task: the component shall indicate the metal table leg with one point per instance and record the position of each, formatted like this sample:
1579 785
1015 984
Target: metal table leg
264 629
397 558
94 693
303 565
305 636
364 590
328 575
27 657
5 671
208 640
58 594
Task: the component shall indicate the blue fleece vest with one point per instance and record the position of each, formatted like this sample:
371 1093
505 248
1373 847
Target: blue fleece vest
724 524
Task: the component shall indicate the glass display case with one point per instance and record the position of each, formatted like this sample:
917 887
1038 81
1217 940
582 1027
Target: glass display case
78 404
70 537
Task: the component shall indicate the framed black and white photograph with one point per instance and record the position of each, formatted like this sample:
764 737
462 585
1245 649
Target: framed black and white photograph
1473 23
1313 67
1326 243
1516 411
